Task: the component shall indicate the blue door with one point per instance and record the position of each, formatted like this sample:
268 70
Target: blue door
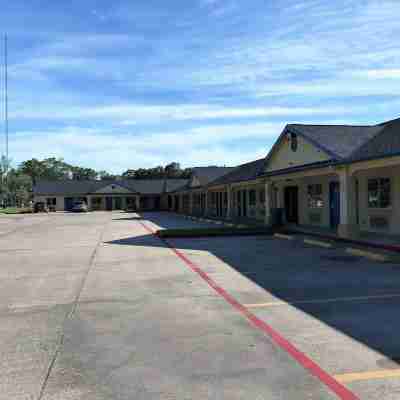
68 203
334 204
109 203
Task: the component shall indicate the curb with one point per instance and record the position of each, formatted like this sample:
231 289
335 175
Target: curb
318 243
283 236
381 257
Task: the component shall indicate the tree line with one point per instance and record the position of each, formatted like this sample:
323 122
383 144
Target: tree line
16 183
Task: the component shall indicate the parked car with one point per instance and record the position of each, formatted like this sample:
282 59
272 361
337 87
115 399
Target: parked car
80 206
40 206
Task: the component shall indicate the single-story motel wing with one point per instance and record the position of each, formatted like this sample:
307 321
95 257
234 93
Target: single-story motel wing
341 178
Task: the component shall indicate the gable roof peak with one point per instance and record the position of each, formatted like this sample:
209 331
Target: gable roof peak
391 121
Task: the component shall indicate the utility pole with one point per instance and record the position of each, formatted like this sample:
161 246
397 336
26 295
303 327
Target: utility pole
4 172
6 97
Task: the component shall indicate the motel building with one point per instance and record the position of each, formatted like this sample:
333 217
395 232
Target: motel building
339 179
106 195
345 179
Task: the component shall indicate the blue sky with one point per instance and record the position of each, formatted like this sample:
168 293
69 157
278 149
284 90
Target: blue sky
126 84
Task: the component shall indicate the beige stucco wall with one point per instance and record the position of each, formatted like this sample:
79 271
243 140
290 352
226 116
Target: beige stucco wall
392 213
319 217
59 201
306 214
283 156
257 211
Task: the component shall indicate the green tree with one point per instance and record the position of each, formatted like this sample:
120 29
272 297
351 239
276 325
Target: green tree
172 170
79 173
4 170
56 168
19 188
33 168
129 174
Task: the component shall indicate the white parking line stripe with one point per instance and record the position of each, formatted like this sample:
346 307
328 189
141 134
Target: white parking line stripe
321 301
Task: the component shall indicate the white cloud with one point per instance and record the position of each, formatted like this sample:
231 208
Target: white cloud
132 114
379 73
101 150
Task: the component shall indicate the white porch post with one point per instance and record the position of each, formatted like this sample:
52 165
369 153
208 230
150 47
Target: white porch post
348 226
228 206
190 203
268 202
89 203
137 201
206 205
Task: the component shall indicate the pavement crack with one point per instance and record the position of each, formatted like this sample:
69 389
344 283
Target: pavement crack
71 313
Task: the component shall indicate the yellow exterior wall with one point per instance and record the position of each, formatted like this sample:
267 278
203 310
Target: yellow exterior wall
283 156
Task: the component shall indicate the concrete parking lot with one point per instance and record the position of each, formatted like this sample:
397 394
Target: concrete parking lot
93 306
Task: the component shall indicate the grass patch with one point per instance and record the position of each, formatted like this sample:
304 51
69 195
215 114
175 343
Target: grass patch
212 232
15 210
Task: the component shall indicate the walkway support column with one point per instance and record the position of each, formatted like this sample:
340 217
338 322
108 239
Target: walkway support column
206 203
229 204
137 202
190 203
268 202
348 227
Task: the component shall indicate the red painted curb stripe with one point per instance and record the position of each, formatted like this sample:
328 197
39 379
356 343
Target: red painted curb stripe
341 391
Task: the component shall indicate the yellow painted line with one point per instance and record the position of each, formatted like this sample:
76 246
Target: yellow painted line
322 301
367 254
282 236
318 243
366 376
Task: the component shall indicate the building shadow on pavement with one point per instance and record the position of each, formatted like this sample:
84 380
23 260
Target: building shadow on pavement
296 273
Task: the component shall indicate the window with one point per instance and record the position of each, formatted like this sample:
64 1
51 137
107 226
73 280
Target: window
252 197
379 193
51 201
315 199
213 197
261 195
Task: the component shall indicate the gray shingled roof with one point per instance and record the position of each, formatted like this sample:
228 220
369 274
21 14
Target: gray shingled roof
175 184
72 187
148 186
205 175
155 186
65 187
385 143
339 141
241 173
